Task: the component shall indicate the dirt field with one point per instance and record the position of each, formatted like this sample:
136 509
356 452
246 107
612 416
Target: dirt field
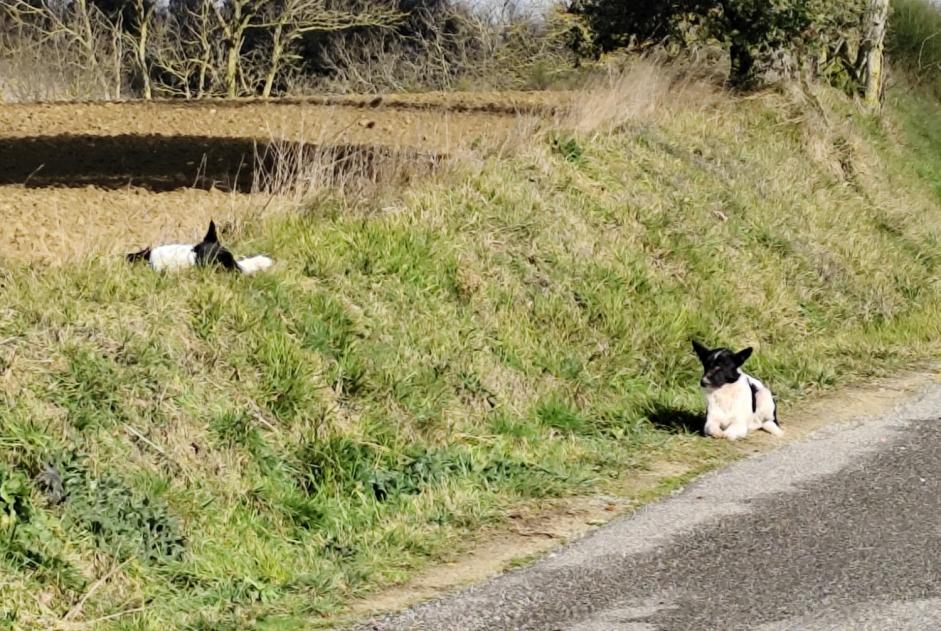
87 179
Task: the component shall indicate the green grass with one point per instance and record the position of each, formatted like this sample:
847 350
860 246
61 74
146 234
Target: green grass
914 40
254 452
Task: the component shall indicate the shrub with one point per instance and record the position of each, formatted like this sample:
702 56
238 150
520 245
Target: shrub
765 40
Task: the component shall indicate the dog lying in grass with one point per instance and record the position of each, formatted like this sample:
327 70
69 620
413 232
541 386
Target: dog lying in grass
736 403
209 251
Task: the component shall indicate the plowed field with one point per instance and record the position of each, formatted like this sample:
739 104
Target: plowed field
88 179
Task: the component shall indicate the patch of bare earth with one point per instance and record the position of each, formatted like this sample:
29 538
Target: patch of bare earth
533 531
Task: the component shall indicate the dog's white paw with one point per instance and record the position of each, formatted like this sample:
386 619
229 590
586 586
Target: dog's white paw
773 428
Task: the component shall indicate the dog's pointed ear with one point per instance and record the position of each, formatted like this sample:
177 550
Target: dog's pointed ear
701 351
742 355
211 236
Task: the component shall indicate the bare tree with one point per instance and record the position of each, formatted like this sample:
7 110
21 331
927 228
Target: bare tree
201 39
233 18
286 22
289 20
198 48
435 48
80 26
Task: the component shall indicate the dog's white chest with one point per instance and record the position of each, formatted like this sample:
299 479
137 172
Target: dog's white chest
730 402
172 257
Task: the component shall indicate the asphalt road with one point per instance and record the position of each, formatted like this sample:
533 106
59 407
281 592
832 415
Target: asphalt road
839 531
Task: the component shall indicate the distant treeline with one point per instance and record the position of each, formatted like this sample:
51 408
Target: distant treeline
199 48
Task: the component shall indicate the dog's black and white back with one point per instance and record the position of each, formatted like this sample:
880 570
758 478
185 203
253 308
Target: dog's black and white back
177 256
736 403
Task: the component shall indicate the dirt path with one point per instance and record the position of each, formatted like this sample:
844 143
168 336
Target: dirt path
530 533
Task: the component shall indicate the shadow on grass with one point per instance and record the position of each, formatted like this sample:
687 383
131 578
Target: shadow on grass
675 420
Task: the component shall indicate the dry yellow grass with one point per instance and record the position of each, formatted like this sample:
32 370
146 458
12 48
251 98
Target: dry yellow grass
639 90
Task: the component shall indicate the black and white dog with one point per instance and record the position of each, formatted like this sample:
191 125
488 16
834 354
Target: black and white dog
736 403
209 251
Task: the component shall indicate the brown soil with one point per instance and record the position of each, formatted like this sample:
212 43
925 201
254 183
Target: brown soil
531 532
508 102
89 179
432 128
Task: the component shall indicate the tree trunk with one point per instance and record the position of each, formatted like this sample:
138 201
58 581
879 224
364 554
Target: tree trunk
88 44
232 68
201 87
145 15
203 36
117 50
277 51
205 59
871 60
233 29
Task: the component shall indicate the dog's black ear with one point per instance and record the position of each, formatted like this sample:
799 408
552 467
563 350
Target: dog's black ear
211 236
742 355
701 351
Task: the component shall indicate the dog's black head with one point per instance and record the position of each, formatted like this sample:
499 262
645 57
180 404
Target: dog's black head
210 252
720 365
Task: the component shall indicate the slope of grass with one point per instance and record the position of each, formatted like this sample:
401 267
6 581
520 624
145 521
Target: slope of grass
207 451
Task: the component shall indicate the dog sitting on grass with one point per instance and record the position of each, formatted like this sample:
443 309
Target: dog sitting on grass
736 403
209 251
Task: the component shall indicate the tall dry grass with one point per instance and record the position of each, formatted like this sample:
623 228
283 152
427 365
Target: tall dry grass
288 174
640 89
914 40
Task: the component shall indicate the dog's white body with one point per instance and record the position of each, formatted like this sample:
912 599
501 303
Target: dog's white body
729 410
172 257
177 256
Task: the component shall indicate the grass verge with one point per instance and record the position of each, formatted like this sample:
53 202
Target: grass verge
206 451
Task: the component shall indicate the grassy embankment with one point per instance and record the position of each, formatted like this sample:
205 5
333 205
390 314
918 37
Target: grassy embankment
241 451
